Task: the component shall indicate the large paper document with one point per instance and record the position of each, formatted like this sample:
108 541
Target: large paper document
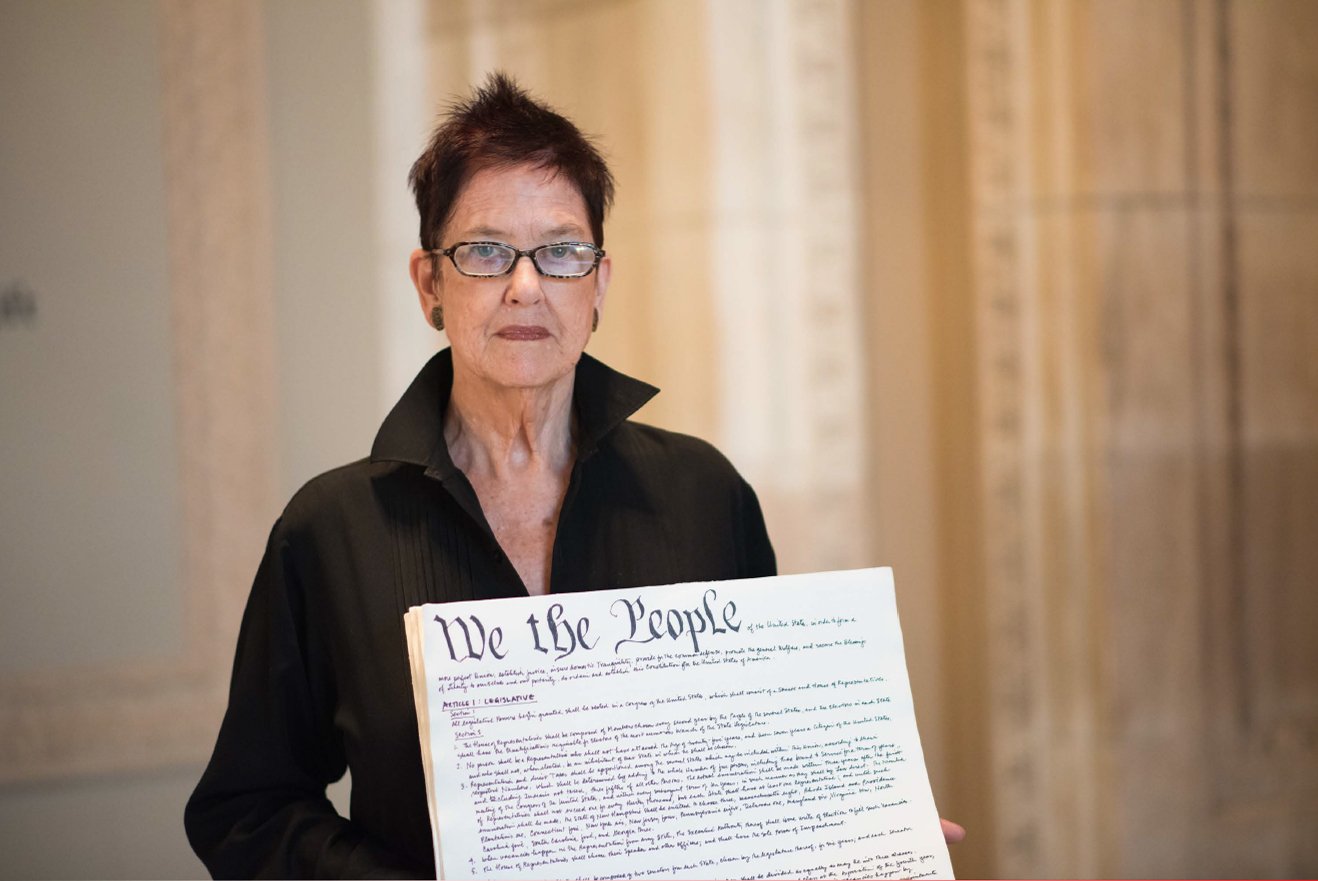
737 729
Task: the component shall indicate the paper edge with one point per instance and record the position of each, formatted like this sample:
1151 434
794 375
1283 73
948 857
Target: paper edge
417 665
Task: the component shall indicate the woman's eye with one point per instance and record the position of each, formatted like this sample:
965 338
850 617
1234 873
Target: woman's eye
484 252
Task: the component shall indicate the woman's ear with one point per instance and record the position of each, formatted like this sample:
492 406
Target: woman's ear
426 280
603 273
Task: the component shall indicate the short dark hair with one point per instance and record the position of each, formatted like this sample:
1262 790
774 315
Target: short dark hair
499 126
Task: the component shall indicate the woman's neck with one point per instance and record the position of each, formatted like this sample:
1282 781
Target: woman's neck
502 432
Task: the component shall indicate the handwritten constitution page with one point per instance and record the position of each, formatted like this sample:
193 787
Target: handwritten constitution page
737 729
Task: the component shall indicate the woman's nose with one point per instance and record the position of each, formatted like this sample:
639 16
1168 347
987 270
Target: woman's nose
524 282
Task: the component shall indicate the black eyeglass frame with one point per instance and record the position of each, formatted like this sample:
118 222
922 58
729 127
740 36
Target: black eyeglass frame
518 255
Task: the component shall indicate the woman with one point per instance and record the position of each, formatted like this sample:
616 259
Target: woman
507 468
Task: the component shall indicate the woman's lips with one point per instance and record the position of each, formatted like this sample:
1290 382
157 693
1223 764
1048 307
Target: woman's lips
522 332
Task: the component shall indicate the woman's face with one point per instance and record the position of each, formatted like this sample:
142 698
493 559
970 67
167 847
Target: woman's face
519 330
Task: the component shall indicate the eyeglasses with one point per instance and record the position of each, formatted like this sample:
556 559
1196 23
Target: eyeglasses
492 259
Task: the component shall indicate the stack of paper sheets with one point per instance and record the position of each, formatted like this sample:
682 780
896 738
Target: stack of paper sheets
739 729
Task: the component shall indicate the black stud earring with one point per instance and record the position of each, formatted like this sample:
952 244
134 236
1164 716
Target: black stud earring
437 317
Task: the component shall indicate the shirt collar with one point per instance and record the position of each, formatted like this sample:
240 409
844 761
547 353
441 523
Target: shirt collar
413 432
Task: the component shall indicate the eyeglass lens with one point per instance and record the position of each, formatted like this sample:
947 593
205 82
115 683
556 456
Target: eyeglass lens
491 258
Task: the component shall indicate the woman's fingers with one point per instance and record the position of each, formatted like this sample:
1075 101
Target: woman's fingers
952 833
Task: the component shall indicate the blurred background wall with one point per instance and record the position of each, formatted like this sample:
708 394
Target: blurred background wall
1018 297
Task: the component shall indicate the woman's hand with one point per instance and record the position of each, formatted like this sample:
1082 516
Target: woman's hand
952 833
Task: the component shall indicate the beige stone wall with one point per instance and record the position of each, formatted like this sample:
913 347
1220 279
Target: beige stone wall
252 193
128 711
1084 382
1141 196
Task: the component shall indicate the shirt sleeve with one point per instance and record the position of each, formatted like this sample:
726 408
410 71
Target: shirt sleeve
754 550
260 809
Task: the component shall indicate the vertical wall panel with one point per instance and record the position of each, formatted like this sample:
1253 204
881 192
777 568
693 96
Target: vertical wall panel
1145 248
145 712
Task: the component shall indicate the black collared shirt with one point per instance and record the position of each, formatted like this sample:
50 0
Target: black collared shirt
321 682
